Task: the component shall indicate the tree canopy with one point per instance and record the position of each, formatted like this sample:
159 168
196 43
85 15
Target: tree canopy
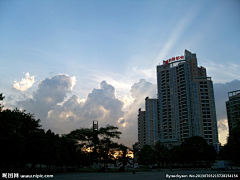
25 142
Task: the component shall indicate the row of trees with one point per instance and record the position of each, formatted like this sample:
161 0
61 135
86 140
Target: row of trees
24 142
231 150
191 152
195 150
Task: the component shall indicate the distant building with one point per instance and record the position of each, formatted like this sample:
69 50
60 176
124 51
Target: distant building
151 117
233 109
185 106
141 128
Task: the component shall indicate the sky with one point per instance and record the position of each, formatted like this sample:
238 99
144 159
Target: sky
74 61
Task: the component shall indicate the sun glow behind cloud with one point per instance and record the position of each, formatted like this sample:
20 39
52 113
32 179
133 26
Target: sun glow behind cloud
127 102
222 130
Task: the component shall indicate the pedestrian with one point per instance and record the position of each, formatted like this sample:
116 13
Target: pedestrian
133 171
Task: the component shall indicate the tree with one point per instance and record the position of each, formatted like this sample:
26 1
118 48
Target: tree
134 149
35 147
232 147
68 151
195 150
102 139
122 155
146 155
161 153
106 149
16 130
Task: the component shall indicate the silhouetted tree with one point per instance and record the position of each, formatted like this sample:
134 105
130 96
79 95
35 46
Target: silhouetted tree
25 142
68 151
105 147
232 148
122 155
161 153
146 155
196 149
16 130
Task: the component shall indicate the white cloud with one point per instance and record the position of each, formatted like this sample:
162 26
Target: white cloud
143 89
50 92
25 83
222 125
73 81
127 102
118 84
222 130
101 104
123 122
129 124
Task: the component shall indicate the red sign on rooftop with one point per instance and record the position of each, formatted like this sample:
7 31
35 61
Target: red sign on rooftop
173 59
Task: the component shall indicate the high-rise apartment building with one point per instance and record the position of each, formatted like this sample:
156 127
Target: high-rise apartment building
142 137
185 103
148 123
233 109
151 117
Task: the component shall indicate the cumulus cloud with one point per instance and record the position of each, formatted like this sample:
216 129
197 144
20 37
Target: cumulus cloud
127 102
222 130
25 83
143 89
101 104
139 91
62 115
123 122
222 125
50 92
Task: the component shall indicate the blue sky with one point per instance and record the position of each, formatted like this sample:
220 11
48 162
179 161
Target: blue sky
110 46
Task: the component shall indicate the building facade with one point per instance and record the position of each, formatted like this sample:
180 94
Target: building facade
233 109
142 127
151 117
185 103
